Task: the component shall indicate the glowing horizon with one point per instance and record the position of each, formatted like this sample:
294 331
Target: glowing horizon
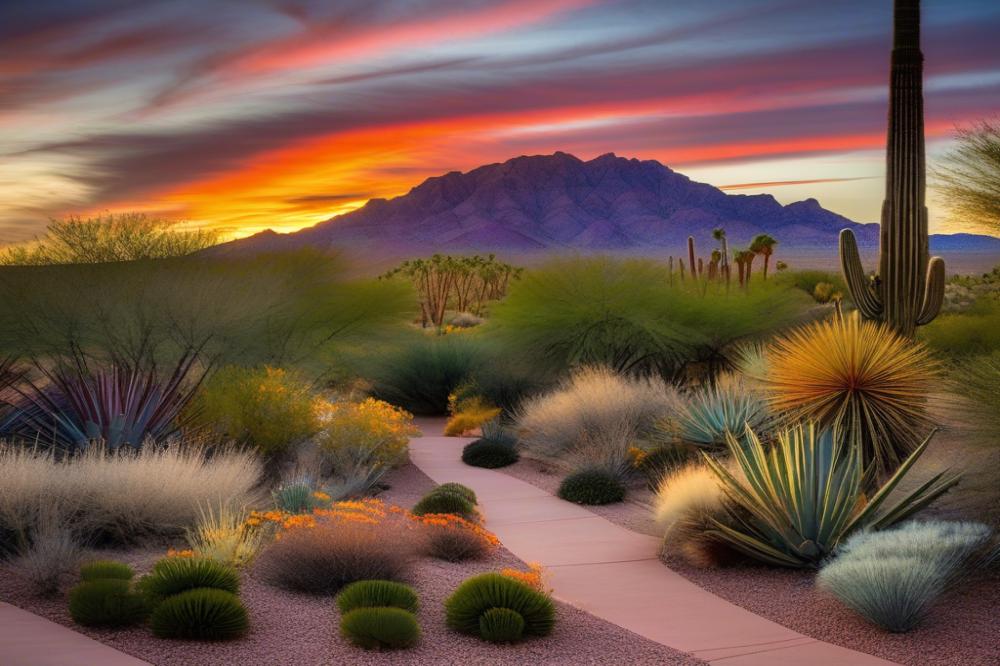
280 115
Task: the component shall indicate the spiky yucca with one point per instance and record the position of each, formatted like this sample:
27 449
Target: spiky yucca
859 376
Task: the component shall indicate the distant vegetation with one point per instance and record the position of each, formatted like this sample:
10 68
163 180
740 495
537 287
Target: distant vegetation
970 176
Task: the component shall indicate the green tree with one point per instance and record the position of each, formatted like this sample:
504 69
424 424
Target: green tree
763 244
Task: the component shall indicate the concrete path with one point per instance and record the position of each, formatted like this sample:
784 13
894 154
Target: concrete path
29 640
614 573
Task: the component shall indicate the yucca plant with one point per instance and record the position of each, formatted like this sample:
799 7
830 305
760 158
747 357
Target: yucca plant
860 377
119 406
803 495
704 416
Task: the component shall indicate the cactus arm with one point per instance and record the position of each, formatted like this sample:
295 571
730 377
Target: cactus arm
933 292
865 297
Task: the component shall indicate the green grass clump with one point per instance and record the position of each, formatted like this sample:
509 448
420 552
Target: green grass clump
380 628
961 334
457 489
501 625
592 487
295 497
728 405
446 502
173 575
106 603
489 453
200 614
892 578
479 594
106 569
377 593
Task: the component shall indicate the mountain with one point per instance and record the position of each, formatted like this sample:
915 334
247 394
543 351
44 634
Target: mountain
559 202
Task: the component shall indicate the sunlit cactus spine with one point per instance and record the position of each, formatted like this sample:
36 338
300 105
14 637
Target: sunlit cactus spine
909 288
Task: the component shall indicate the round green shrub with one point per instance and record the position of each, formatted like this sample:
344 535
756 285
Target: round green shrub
106 603
380 628
105 570
592 487
501 625
457 489
200 614
489 454
173 575
475 596
377 593
445 503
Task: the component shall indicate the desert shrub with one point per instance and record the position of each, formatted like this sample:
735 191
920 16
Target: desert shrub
592 487
355 471
204 614
859 376
106 603
489 453
805 494
961 334
979 401
595 403
119 499
267 407
223 534
502 381
323 555
808 281
455 539
661 460
173 575
689 502
501 625
476 595
371 425
893 577
458 489
380 628
630 316
105 569
298 496
377 593
465 320
444 502
468 414
420 375
824 292
703 417
51 555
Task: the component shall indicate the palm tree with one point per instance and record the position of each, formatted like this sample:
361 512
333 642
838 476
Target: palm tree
743 259
763 245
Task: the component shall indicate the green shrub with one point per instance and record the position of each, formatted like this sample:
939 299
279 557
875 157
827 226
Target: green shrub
476 595
457 489
173 575
377 593
808 280
421 375
295 497
267 407
106 603
444 503
893 577
629 315
501 625
958 334
200 614
106 569
489 454
380 628
804 494
592 487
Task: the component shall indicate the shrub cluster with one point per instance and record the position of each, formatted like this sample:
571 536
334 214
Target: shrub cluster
455 539
194 599
370 425
468 609
105 597
593 486
379 614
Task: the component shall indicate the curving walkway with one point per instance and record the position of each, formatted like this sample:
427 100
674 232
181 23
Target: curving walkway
614 573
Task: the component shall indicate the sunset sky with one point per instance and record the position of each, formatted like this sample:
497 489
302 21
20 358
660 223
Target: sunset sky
249 114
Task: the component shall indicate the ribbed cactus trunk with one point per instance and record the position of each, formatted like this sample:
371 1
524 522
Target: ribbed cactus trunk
691 260
909 289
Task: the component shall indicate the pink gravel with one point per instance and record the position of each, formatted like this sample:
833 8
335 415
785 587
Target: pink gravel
289 628
962 630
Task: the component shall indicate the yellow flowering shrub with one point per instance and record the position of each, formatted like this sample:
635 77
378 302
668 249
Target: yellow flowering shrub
372 425
468 414
266 407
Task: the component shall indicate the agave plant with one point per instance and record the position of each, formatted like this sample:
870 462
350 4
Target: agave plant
859 376
705 416
798 500
119 406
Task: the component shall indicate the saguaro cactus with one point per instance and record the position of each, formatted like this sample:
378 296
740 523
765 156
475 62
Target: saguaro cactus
908 289
691 261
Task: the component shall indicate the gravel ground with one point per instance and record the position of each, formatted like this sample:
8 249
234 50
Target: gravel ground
962 630
288 628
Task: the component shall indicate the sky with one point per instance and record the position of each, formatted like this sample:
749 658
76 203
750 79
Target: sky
243 115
